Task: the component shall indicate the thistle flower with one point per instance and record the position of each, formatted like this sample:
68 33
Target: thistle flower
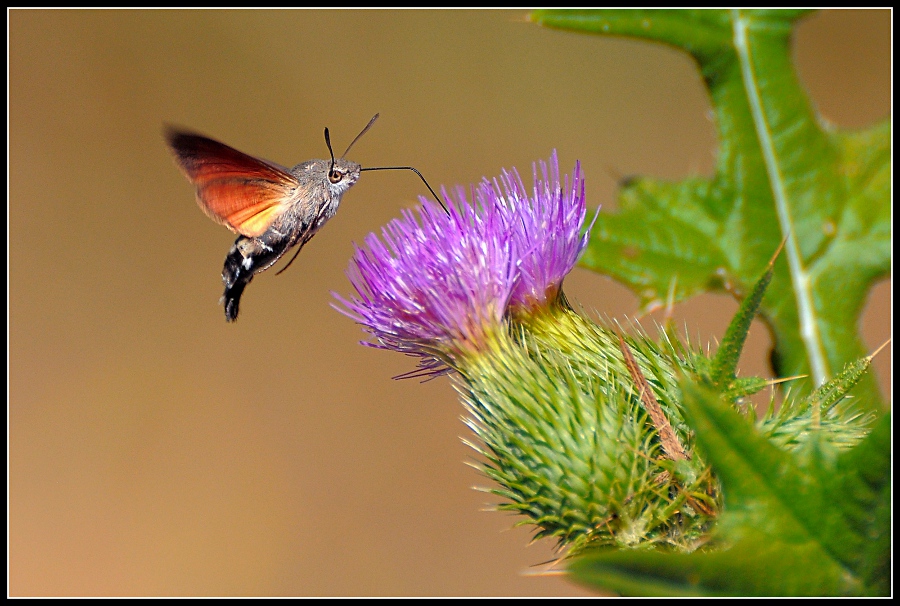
478 290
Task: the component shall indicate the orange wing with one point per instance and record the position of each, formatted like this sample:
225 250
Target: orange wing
244 193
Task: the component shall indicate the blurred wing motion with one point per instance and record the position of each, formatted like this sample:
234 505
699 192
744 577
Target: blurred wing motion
244 193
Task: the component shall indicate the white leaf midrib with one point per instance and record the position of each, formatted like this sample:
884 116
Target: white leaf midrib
800 278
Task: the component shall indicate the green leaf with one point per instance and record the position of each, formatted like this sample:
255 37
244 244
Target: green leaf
861 487
756 568
807 523
781 175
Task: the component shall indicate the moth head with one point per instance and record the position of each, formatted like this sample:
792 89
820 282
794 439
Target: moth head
342 174
334 177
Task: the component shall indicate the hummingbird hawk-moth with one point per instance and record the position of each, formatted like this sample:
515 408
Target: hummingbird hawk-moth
272 208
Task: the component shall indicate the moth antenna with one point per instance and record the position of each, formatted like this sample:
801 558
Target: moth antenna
330 151
361 133
436 197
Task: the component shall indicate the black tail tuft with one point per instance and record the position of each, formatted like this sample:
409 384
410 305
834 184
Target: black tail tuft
232 300
235 277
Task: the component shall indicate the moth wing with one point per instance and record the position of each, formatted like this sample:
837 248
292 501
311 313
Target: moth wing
244 193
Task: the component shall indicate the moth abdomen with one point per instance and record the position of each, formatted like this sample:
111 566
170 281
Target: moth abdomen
247 257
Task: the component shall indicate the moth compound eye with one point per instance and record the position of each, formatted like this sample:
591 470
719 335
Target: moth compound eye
335 176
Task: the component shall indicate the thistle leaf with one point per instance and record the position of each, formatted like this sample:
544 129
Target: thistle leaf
756 568
781 175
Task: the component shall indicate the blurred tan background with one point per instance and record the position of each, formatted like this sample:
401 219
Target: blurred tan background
156 450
